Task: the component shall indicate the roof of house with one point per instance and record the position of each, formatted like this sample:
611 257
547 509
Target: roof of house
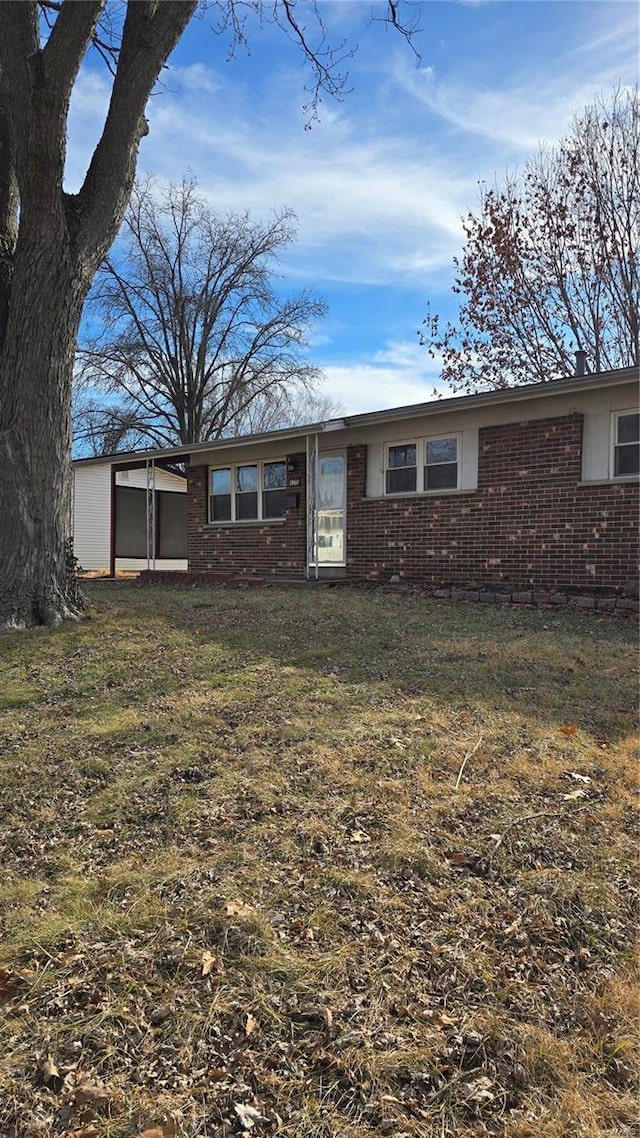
413 410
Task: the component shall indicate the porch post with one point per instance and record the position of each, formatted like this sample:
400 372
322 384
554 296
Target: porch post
151 513
313 466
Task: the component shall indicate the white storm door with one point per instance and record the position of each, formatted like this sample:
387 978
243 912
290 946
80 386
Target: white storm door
330 512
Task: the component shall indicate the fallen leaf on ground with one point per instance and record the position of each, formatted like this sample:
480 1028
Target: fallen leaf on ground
237 909
9 984
444 1020
327 1016
479 1091
49 1071
248 1115
250 1024
211 962
570 730
93 1093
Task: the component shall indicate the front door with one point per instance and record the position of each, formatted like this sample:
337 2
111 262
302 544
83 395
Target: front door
330 509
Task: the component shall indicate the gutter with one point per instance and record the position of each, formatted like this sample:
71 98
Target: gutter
183 452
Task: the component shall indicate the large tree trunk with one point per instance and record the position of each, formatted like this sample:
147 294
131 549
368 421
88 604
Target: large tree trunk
51 244
36 364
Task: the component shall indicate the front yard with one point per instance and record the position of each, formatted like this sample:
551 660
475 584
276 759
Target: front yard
322 863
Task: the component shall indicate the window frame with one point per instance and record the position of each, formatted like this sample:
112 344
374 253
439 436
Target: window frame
614 444
424 442
400 443
232 467
420 443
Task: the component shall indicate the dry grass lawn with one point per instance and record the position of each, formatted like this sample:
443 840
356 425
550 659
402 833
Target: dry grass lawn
318 863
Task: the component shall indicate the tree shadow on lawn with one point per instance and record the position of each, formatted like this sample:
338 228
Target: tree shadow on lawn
547 667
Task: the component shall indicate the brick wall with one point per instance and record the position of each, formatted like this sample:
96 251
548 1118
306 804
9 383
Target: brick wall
276 548
528 522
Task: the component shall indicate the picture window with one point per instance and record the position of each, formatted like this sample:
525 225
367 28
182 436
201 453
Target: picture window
248 492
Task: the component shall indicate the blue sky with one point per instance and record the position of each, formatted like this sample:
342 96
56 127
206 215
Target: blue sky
380 183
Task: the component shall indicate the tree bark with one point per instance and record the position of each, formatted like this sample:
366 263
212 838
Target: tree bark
36 369
50 248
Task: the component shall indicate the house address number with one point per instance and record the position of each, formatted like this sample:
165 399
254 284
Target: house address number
294 481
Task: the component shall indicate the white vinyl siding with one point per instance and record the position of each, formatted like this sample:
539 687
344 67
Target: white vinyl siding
92 516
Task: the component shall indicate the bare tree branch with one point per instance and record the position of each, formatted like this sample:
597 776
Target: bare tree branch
192 329
150 32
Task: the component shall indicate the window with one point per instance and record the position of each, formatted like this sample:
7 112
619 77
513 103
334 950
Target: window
220 500
441 464
402 470
274 489
626 444
440 461
246 493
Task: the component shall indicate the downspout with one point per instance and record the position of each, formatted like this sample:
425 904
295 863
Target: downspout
309 535
312 506
153 510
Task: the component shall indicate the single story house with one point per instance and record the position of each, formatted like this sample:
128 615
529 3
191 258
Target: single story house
128 515
536 484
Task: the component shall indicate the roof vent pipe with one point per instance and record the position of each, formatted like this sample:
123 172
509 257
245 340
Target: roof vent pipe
581 362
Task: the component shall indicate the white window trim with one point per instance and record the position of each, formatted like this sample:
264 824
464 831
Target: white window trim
420 444
613 443
401 443
233 466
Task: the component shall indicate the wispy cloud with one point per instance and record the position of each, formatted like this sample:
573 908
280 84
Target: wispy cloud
532 105
371 206
380 184
398 374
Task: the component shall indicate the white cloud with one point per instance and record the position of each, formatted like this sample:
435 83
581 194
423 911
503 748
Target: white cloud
380 185
399 374
371 207
89 105
194 77
534 105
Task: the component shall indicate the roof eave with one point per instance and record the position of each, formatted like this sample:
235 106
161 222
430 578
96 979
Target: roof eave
413 410
505 395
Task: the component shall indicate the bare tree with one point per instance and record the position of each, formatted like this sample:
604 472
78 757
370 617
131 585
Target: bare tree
52 242
100 430
192 329
279 409
552 261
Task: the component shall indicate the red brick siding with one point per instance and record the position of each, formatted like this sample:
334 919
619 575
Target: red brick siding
277 548
528 522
